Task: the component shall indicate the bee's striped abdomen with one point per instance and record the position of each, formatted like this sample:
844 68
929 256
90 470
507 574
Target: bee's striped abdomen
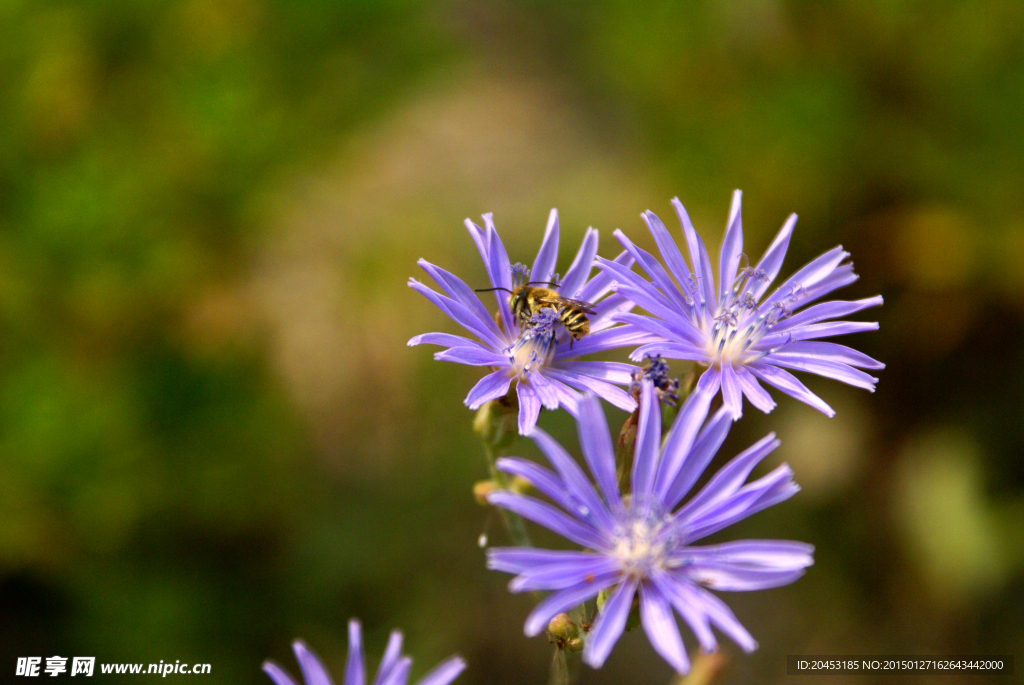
575 322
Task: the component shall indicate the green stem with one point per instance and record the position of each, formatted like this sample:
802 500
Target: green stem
513 522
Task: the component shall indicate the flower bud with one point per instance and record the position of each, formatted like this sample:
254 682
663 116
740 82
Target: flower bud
574 644
497 422
561 626
520 485
481 489
624 448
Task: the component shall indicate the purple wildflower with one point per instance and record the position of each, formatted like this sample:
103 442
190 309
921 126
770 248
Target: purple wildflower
540 357
394 668
733 329
642 542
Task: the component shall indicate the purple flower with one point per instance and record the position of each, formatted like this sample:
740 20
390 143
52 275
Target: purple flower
643 542
733 329
540 357
394 668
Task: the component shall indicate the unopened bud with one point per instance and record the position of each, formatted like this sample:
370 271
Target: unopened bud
624 449
562 626
520 485
497 422
481 489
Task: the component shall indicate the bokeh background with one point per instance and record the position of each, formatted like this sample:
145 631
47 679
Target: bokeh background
213 438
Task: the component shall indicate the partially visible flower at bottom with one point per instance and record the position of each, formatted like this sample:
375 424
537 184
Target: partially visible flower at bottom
394 668
642 542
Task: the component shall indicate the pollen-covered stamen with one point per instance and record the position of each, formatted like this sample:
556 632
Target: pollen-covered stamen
645 537
779 311
656 370
746 277
725 322
520 274
748 301
535 346
692 288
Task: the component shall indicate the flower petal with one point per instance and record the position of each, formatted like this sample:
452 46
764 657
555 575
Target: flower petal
775 554
399 673
788 383
445 672
276 673
722 617
544 480
753 391
827 310
667 247
520 559
501 274
829 369
490 387
827 351
807 276
459 314
585 503
544 266
564 600
681 592
771 262
355 669
699 259
313 671
599 286
613 372
576 277
391 656
764 492
670 350
596 445
567 397
473 356
678 330
456 289
606 391
818 330
529 408
644 293
648 442
445 339
542 386
549 517
732 396
726 578
607 309
561 576
732 247
657 273
747 564
729 478
660 626
680 439
601 341
609 624
704 449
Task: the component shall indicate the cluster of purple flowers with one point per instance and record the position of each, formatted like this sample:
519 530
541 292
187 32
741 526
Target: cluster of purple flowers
638 529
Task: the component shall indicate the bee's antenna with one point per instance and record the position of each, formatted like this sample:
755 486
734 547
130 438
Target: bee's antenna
487 290
551 283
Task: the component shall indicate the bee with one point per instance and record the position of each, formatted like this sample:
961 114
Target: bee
526 300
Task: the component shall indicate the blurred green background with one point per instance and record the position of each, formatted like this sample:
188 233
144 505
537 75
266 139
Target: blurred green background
213 438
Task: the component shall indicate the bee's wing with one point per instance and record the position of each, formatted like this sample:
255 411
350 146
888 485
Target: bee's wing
586 307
